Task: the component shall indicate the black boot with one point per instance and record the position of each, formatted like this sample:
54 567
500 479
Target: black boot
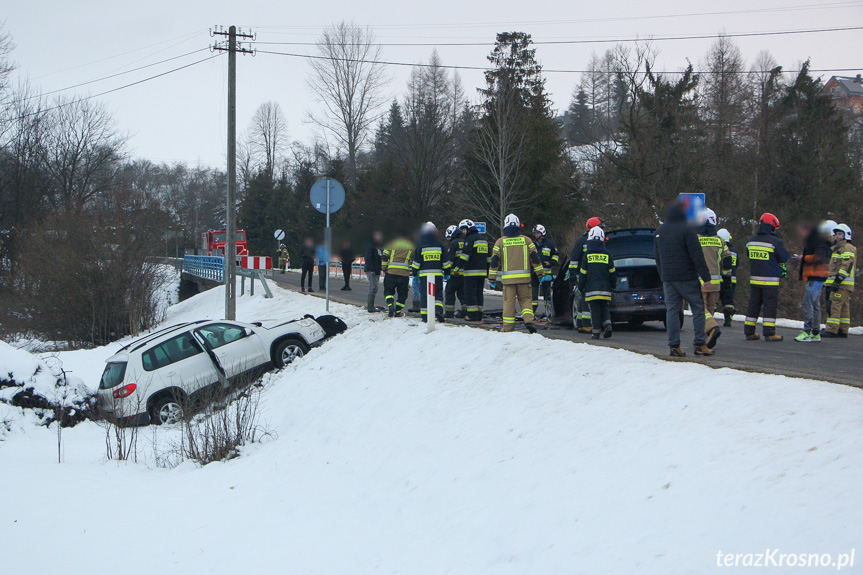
371 304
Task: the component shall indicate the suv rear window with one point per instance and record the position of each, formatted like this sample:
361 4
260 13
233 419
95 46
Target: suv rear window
113 375
174 350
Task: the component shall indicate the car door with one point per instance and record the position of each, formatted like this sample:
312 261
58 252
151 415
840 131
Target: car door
238 349
181 362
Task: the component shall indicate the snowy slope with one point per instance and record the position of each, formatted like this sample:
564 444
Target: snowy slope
463 451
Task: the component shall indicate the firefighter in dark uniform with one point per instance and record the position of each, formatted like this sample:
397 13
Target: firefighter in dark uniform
396 264
582 319
473 262
455 283
430 262
767 265
597 279
728 288
549 257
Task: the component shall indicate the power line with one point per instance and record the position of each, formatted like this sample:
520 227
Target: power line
184 36
486 68
594 41
108 77
799 7
117 89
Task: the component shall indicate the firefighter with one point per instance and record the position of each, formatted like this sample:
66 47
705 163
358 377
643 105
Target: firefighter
549 257
473 262
840 285
455 281
513 258
284 258
582 319
430 261
597 279
728 289
767 265
396 264
718 260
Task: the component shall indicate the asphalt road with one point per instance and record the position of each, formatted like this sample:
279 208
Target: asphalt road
836 360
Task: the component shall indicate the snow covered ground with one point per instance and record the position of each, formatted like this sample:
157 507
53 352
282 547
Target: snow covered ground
462 451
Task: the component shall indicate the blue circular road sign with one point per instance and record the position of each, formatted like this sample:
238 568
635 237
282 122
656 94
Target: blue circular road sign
318 195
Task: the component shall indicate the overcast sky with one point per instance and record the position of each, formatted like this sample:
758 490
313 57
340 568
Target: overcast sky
181 116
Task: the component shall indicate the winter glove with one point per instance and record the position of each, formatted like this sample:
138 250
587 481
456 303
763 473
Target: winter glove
783 271
547 278
446 277
492 285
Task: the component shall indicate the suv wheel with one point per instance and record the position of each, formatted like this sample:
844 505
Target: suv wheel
289 350
573 312
166 411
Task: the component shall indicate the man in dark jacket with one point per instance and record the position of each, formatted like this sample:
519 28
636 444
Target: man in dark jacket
430 262
347 256
307 259
373 268
814 270
767 258
597 279
680 261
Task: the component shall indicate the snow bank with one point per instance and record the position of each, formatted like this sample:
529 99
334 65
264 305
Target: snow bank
462 451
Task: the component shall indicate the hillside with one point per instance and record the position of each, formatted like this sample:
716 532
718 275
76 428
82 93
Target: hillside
463 451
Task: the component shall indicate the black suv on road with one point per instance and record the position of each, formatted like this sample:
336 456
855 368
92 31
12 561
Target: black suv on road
638 296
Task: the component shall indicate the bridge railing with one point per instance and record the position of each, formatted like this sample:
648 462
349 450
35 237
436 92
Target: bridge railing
207 267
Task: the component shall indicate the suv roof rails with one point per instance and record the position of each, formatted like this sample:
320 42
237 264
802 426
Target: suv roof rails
138 343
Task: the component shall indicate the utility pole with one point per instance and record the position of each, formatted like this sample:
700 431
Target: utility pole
230 213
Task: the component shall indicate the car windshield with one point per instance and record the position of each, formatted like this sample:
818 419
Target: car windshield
113 375
219 238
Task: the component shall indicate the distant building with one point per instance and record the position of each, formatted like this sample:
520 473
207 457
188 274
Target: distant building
847 92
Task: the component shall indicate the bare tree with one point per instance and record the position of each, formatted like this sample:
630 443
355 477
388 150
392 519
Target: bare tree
347 80
431 140
497 187
267 137
83 152
6 63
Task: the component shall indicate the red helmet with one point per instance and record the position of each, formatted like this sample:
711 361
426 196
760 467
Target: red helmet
769 219
593 222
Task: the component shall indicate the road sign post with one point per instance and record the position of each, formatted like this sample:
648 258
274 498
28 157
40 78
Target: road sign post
279 235
693 204
327 196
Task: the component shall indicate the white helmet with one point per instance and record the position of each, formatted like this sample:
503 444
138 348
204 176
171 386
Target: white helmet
511 220
596 233
826 228
450 231
710 216
724 234
466 223
846 229
539 228
429 228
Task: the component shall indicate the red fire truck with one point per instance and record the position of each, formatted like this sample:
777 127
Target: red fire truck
213 243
